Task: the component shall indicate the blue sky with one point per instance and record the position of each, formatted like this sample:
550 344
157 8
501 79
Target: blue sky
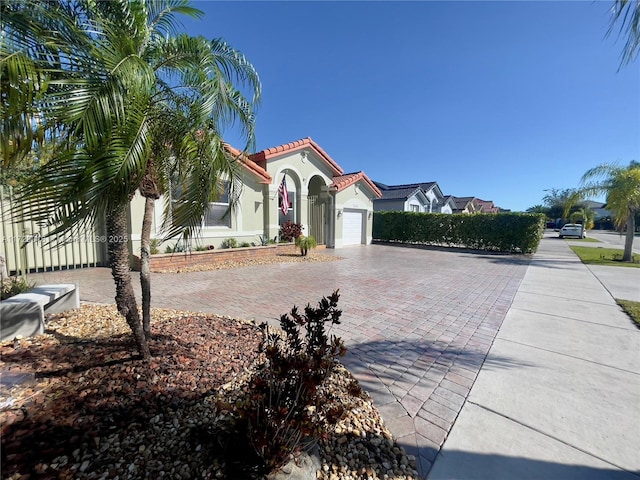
498 100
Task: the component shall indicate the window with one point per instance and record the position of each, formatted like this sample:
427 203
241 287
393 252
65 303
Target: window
218 214
415 208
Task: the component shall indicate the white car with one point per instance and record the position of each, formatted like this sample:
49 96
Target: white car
572 230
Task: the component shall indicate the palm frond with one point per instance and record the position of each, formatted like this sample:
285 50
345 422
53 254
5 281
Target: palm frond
626 15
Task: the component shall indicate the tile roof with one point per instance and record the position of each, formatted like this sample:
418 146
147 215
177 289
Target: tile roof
399 193
249 164
487 206
461 202
261 157
426 186
340 182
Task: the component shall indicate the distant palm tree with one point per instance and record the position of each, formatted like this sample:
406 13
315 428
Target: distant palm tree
621 185
586 215
101 76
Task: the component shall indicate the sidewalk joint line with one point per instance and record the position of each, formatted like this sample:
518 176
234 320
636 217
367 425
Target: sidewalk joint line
523 290
586 452
571 356
630 328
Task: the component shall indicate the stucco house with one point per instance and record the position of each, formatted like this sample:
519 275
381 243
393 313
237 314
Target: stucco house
333 206
414 197
466 205
487 206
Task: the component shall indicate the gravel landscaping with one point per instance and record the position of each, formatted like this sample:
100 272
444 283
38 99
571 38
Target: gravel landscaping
278 258
78 403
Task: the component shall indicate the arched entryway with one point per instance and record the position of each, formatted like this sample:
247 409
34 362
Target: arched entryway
318 203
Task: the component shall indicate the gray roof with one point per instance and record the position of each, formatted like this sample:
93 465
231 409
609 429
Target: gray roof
426 186
461 202
594 205
399 193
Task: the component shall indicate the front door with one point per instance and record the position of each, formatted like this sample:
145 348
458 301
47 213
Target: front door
316 212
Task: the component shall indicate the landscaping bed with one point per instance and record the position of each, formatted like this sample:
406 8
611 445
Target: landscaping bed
228 258
84 406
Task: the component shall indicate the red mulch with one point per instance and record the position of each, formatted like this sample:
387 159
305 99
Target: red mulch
84 386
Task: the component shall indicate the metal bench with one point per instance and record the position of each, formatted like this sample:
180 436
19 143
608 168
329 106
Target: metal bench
23 314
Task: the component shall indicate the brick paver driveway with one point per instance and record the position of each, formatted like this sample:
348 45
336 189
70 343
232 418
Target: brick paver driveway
418 323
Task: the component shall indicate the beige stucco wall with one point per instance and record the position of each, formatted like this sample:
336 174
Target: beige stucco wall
356 197
300 167
258 212
246 219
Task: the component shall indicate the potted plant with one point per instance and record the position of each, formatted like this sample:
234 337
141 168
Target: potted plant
305 243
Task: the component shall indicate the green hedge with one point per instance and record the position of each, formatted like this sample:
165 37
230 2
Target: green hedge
502 232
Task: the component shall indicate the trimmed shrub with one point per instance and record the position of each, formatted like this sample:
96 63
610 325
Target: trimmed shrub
500 232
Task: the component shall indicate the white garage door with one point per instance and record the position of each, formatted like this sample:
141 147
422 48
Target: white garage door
352 225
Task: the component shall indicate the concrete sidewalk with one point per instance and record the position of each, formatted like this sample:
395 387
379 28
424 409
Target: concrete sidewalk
570 406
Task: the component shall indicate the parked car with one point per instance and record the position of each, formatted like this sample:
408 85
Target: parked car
572 230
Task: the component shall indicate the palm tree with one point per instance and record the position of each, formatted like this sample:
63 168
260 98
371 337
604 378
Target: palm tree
107 69
586 215
626 14
191 115
621 185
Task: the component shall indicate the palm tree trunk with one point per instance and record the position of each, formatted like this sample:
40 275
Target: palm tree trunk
117 240
145 273
628 241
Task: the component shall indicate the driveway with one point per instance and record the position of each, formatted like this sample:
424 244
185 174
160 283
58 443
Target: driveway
418 323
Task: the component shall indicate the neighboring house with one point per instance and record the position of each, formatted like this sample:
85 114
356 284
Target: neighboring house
487 206
413 197
602 217
466 205
336 208
599 209
448 204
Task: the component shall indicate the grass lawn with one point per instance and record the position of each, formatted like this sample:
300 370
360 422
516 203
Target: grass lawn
588 239
604 256
632 309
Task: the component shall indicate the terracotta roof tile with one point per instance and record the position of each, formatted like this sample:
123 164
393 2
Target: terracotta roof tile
249 164
261 157
341 182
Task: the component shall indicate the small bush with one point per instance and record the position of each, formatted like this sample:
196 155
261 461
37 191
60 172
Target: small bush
201 248
229 243
177 248
154 246
281 414
245 244
305 244
290 231
13 286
